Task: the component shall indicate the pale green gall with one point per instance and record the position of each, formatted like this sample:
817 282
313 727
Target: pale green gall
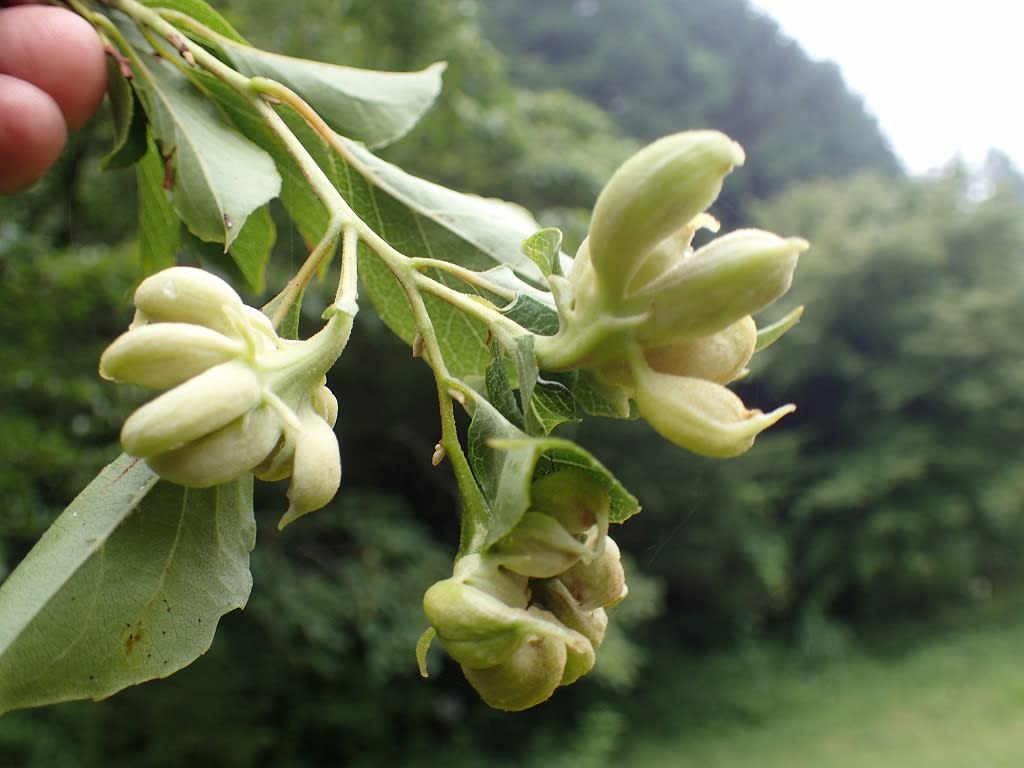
163 355
187 295
525 679
197 407
221 455
599 582
735 275
316 467
655 193
699 415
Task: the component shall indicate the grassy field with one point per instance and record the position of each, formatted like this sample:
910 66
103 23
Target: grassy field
953 701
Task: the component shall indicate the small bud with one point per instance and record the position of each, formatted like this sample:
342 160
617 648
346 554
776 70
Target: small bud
656 192
316 468
476 628
528 677
164 355
699 415
720 357
514 655
731 277
538 546
486 574
240 398
222 455
199 406
554 596
326 404
186 295
278 462
579 661
599 583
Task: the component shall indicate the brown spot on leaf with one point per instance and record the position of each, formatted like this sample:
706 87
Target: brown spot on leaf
130 637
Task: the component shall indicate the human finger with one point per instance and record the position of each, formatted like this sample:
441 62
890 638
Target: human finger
32 133
58 52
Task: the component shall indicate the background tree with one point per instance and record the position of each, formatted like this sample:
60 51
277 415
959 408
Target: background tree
910 382
895 488
657 65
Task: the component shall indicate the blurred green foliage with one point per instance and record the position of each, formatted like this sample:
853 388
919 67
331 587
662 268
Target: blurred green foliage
909 483
59 419
895 488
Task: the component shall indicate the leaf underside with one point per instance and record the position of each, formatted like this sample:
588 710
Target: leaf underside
127 585
373 107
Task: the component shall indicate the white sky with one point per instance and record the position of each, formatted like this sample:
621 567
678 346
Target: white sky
944 78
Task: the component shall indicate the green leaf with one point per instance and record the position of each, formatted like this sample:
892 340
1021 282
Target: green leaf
476 232
544 249
540 317
126 586
548 400
505 462
299 200
504 476
129 121
551 403
463 339
769 334
499 387
542 414
288 326
373 107
219 177
251 249
558 455
159 226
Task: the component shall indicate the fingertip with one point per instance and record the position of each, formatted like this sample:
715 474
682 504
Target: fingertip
60 53
32 134
82 93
